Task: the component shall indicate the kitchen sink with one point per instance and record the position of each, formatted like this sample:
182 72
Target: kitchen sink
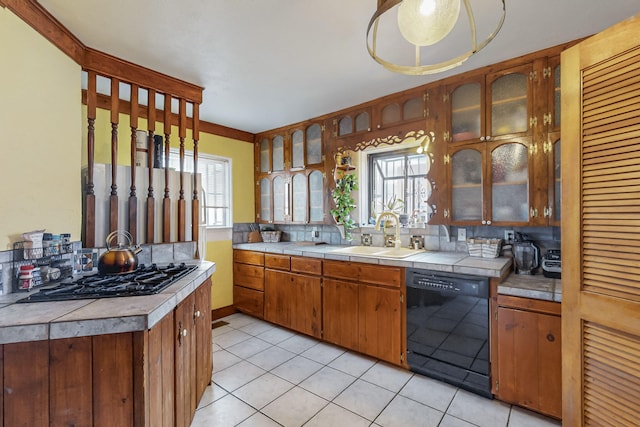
374 251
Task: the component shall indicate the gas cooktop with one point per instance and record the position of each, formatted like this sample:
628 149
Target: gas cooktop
143 281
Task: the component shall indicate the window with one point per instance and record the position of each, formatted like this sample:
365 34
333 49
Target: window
401 174
215 197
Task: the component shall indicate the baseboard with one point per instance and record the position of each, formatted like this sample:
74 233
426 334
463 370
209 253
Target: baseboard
221 312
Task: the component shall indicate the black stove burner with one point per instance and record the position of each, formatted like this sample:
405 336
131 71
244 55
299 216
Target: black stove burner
143 281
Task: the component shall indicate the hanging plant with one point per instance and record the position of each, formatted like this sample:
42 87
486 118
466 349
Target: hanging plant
344 203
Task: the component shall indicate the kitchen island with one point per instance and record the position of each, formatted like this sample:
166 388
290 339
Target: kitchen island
131 361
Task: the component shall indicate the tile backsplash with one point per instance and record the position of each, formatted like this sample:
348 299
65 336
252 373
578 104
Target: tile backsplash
161 253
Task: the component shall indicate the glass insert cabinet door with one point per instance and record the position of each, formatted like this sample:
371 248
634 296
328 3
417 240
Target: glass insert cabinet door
265 200
316 196
466 185
299 198
277 153
279 199
466 112
509 105
265 155
314 144
297 149
510 183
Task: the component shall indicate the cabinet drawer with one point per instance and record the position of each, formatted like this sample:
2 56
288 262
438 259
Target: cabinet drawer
380 275
248 257
340 270
278 262
306 265
249 301
250 276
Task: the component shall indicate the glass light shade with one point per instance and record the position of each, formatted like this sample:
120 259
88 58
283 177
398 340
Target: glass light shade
426 22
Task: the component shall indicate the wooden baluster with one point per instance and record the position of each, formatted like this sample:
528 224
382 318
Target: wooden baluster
113 199
166 202
133 199
90 197
151 125
182 204
195 203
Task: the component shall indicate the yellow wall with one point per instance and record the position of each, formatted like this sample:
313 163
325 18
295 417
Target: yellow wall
39 113
44 133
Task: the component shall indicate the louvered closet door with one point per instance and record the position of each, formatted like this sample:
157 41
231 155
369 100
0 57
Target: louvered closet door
601 228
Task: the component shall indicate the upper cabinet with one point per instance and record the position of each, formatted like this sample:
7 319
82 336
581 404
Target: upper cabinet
400 110
290 175
492 106
502 159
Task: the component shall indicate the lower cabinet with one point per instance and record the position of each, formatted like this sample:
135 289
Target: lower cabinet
248 282
292 299
529 354
358 306
363 309
145 378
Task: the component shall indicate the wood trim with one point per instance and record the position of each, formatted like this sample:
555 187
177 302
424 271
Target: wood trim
103 63
528 304
219 313
37 17
104 102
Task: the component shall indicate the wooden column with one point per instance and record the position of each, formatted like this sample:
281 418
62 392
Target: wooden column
133 199
115 111
89 240
182 206
195 203
166 201
151 125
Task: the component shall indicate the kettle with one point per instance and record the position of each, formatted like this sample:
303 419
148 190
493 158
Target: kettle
122 259
526 255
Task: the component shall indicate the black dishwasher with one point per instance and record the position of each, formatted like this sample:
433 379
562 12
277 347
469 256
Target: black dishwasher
448 328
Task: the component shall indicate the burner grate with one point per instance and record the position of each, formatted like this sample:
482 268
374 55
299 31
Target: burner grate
143 281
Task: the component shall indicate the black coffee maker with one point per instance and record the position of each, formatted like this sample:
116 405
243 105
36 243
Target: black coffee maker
526 255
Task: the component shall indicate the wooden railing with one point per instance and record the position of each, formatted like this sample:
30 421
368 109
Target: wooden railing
118 72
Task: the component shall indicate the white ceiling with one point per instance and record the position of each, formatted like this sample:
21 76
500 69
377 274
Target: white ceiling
270 63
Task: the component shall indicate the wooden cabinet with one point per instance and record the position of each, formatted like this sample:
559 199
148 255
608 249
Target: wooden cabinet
293 293
290 175
502 146
248 282
142 378
362 306
529 354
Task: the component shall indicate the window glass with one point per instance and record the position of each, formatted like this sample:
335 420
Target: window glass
399 175
215 197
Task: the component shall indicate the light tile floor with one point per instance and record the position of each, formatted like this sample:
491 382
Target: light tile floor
264 375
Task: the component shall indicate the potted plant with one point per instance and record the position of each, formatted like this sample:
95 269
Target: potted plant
344 204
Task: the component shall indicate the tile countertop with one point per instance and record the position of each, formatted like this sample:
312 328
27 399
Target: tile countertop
536 287
452 262
66 319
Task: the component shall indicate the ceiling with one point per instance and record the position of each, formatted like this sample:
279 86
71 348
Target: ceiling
270 63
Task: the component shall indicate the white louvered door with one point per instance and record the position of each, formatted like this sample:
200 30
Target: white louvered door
601 228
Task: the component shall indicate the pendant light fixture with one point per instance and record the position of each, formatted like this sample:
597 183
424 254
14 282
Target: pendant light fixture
425 23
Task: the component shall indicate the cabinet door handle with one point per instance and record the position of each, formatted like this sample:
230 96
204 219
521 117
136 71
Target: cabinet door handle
551 338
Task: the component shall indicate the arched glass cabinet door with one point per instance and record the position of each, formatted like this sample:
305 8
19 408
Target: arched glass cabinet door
265 200
316 208
509 105
466 112
277 153
510 183
299 198
314 144
466 185
265 155
297 149
279 199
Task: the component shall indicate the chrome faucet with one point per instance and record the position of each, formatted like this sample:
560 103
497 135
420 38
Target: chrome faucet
395 216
